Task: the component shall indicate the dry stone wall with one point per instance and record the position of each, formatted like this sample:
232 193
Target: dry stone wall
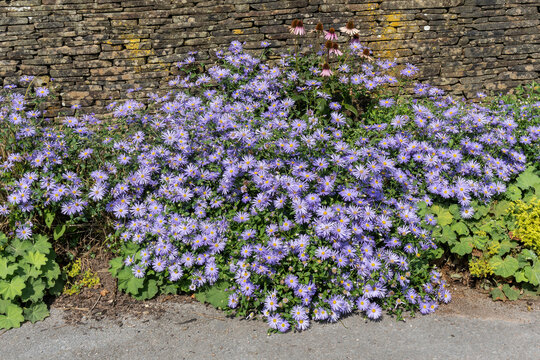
95 50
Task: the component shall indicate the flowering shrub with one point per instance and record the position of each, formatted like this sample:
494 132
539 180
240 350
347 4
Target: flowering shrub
257 183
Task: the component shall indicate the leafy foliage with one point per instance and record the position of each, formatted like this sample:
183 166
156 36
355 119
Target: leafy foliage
503 241
28 272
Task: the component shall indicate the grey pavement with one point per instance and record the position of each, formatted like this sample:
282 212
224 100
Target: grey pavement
195 331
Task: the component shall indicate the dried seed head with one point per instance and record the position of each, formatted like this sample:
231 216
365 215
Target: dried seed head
319 27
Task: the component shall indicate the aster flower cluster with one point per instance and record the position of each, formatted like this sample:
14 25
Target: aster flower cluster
255 175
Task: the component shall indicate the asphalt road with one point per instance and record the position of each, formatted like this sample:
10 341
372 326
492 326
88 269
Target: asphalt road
194 331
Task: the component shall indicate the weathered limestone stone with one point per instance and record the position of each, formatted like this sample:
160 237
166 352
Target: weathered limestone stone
97 49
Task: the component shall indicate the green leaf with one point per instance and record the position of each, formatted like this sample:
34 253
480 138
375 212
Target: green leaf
59 231
529 254
465 246
501 208
497 294
436 253
6 268
151 289
49 218
170 289
36 312
115 265
511 292
36 258
527 179
504 268
215 295
444 217
34 292
506 246
513 193
448 235
128 282
454 210
13 315
321 103
460 228
533 273
51 271
520 276
351 108
42 244
11 289
20 247
3 240
480 212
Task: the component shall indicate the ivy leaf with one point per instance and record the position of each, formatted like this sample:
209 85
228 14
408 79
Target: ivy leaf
460 228
36 258
13 315
506 267
465 246
511 292
36 312
13 288
6 269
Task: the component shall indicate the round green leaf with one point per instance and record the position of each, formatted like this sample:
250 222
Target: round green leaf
36 312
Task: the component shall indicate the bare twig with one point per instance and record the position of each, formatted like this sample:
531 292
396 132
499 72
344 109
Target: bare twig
99 298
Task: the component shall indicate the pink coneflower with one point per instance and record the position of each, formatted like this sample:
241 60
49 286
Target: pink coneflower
326 70
335 49
349 29
330 34
297 28
355 39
